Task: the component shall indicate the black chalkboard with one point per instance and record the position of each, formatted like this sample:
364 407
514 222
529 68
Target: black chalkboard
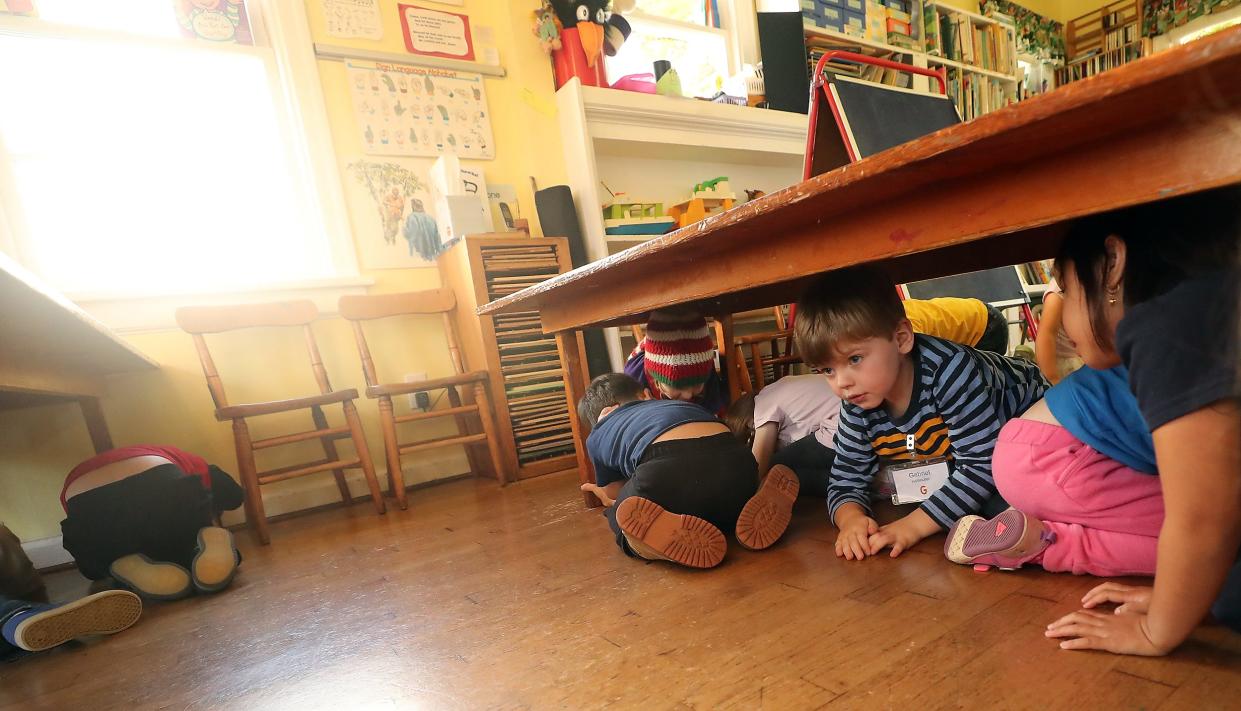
1000 286
880 117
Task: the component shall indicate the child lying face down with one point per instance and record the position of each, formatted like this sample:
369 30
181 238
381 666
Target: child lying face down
674 478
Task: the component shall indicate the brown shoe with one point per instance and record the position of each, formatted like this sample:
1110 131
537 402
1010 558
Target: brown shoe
18 578
767 514
657 534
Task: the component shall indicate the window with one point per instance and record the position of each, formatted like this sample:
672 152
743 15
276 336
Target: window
136 162
704 52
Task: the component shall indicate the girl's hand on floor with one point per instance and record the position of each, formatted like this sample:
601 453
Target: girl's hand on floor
852 542
1124 633
1132 598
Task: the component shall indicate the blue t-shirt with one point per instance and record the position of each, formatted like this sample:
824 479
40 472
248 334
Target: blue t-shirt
1099 409
619 440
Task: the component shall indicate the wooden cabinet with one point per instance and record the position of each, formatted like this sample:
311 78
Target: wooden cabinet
528 378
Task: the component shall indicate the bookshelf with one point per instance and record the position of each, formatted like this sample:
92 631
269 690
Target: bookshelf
1103 39
978 52
528 378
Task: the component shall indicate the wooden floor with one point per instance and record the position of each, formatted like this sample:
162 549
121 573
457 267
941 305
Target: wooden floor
517 598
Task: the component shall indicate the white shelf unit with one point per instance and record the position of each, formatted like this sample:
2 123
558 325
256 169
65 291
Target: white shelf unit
654 148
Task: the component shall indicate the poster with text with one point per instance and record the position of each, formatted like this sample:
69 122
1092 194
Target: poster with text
402 110
436 33
214 20
353 18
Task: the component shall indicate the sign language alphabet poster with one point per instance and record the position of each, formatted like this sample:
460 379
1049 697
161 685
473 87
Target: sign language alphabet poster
404 110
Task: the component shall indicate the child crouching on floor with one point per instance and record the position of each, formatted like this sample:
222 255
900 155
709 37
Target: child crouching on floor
791 422
674 479
906 400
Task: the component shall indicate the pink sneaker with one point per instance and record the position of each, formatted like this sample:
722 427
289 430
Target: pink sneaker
1007 541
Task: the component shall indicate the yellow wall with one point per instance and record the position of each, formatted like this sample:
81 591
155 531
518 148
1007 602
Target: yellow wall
1061 10
171 405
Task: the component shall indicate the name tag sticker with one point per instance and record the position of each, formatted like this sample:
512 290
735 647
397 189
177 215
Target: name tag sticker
916 481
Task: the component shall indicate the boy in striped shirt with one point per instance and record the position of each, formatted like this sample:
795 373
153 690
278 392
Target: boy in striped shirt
905 397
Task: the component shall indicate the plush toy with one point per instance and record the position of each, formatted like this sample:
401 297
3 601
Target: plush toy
547 27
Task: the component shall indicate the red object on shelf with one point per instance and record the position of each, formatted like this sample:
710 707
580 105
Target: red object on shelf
570 61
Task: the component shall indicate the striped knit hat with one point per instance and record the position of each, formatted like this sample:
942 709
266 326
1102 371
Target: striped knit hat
678 347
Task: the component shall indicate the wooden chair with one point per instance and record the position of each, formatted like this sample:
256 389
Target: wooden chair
199 320
475 383
755 371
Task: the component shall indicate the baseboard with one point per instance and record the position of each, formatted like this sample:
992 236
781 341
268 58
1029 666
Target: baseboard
320 489
310 493
47 553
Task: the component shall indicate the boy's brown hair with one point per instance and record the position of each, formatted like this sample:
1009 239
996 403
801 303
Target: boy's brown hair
846 305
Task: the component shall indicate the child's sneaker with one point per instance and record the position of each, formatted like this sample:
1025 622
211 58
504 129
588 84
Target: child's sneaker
767 514
657 534
44 626
1007 541
153 580
215 564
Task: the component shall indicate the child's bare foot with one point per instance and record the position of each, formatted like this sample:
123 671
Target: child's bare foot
657 534
766 515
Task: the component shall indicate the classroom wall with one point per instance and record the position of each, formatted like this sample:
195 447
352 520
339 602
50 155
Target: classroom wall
38 446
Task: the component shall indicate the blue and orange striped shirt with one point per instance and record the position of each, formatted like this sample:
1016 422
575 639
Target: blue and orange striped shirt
961 398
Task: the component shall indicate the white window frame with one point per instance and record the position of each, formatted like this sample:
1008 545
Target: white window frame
285 26
738 25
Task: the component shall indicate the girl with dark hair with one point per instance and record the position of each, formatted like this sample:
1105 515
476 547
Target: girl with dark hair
1155 288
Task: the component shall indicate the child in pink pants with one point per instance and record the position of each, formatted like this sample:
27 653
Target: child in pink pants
1078 469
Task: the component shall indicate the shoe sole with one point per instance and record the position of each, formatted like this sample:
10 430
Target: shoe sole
102 613
680 538
766 515
216 563
152 580
968 540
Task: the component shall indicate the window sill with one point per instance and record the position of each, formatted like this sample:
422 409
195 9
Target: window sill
130 313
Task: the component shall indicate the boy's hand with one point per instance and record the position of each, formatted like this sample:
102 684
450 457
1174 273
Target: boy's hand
600 492
902 534
855 529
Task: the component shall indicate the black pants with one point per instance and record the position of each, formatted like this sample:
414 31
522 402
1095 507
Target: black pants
995 335
708 477
157 513
1227 607
811 461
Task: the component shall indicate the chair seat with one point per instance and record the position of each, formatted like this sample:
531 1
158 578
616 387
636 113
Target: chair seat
421 385
233 412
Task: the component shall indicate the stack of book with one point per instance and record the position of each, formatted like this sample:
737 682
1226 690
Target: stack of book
955 36
529 362
977 94
1036 272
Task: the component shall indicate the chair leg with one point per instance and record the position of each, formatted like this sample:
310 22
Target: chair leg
392 452
464 427
329 448
256 516
364 454
486 416
743 370
756 355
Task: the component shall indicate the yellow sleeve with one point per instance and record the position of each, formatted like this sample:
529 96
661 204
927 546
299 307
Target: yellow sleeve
959 320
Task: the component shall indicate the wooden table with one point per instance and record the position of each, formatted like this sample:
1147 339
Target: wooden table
996 191
52 351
